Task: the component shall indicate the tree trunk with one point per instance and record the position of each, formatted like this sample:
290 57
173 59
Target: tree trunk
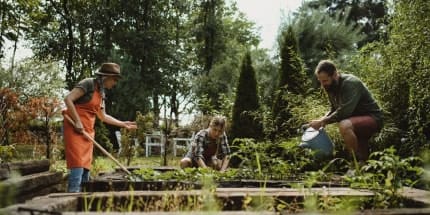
174 108
107 43
156 109
70 78
47 137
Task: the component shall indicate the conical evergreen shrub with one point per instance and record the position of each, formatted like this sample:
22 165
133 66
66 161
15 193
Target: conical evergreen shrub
245 123
292 81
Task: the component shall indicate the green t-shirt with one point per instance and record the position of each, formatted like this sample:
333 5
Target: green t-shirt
352 98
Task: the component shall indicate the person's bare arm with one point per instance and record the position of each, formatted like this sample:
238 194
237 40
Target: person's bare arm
318 123
69 100
225 163
201 163
113 121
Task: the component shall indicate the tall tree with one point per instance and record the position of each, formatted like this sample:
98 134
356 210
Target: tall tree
34 103
322 36
232 35
209 32
209 46
9 23
267 75
9 106
144 33
409 29
45 78
245 122
292 79
66 31
178 93
45 109
14 23
292 75
368 15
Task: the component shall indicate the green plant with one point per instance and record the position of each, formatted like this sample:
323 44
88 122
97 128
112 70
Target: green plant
102 137
146 174
129 144
59 166
426 174
208 199
7 153
101 165
271 160
342 205
145 124
387 173
8 191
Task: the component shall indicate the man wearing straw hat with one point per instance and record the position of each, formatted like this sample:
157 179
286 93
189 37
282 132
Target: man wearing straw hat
84 102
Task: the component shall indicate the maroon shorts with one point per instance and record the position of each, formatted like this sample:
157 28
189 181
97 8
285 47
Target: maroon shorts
364 126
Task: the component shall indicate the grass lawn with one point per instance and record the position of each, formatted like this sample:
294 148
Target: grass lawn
100 163
105 164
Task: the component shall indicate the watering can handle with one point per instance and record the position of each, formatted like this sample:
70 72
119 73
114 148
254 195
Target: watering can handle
305 126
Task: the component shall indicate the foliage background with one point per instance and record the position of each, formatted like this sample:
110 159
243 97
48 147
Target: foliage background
184 57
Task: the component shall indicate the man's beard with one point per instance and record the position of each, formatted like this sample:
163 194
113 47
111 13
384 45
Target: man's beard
332 87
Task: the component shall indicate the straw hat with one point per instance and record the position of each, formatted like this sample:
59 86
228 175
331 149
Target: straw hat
109 69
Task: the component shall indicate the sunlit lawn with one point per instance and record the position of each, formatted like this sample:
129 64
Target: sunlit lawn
100 163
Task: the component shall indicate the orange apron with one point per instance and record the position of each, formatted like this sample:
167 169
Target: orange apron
79 149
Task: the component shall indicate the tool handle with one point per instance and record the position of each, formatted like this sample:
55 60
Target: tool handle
99 146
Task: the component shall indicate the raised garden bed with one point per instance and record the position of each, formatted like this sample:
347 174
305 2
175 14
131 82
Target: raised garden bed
118 193
22 181
223 199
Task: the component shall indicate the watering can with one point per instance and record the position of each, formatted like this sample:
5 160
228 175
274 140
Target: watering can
318 141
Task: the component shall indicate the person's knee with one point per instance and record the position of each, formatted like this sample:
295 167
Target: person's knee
345 126
185 162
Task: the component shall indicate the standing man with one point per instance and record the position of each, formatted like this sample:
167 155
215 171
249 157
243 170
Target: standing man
209 148
352 106
84 103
